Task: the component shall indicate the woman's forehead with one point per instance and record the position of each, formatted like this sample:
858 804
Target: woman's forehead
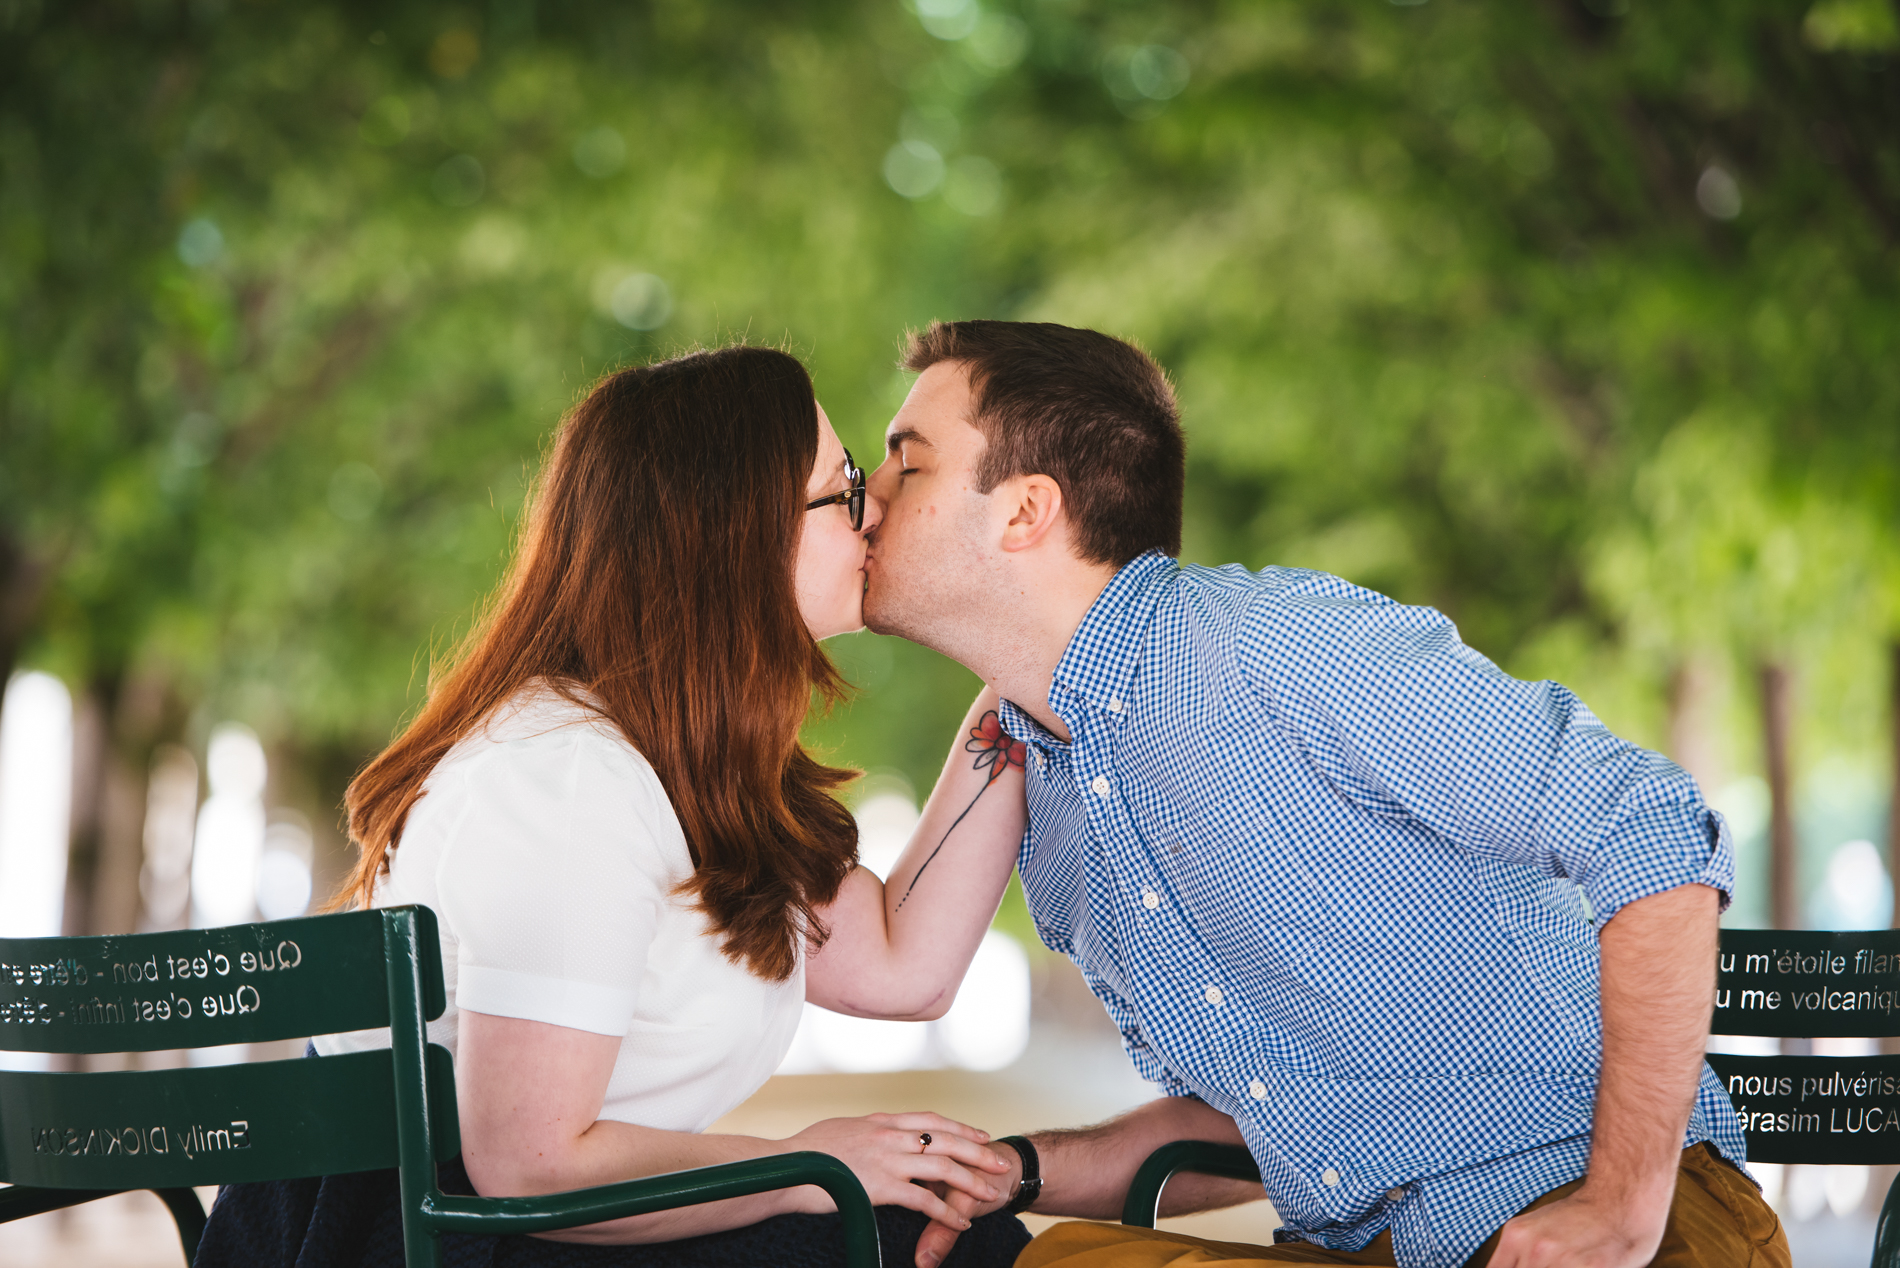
829 446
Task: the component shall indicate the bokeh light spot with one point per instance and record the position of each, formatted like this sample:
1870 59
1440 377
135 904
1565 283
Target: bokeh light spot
1157 72
171 818
988 1026
493 245
640 301
949 19
230 836
1718 194
1141 79
998 42
200 243
913 168
283 872
599 152
1855 892
36 750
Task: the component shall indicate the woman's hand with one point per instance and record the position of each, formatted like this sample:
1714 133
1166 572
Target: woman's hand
888 1154
898 950
530 1095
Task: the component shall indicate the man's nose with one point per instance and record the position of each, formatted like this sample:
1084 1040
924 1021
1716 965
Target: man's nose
878 487
884 476
873 511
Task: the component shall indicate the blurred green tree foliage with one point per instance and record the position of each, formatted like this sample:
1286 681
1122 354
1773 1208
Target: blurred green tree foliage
1574 319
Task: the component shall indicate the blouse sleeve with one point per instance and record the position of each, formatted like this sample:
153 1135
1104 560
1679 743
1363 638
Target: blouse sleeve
555 879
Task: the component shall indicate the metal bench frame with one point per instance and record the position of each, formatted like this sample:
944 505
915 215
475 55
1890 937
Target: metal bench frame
308 1117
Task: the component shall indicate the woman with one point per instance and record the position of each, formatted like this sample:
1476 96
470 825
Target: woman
639 873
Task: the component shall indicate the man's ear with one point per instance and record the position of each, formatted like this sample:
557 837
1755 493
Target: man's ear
1036 508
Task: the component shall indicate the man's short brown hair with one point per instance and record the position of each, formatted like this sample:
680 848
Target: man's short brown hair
1091 412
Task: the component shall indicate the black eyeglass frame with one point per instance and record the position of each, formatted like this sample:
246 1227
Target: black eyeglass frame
853 497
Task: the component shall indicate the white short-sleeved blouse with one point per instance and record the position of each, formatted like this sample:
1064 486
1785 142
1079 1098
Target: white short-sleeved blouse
549 853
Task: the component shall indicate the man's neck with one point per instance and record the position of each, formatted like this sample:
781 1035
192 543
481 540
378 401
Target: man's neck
1017 653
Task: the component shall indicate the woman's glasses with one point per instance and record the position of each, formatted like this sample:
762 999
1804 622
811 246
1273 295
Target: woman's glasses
853 497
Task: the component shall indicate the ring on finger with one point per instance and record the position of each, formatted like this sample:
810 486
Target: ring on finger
923 1142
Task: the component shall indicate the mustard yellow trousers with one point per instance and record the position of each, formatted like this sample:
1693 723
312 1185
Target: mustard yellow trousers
1718 1220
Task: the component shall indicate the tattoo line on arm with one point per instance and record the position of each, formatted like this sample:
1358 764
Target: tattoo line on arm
995 750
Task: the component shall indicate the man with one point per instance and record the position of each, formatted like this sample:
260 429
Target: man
1434 944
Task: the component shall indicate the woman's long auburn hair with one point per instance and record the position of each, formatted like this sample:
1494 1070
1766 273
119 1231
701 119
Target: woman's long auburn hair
654 583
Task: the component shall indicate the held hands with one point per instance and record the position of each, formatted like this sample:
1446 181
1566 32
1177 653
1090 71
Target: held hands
887 1153
1579 1231
935 1242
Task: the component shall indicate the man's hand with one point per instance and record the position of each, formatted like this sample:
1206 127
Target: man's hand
1579 1231
934 1245
1658 990
1086 1173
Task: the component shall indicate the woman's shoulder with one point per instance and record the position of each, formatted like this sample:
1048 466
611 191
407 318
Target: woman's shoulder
551 754
543 709
543 721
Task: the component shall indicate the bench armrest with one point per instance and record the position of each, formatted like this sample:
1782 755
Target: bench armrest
1199 1156
503 1216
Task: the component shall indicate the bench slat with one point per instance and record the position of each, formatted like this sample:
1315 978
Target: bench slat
267 1120
1825 1110
199 988
1808 985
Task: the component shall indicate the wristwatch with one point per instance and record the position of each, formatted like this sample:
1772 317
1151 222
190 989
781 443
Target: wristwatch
1029 1188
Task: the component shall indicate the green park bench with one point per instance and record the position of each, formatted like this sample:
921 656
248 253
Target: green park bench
1816 1110
1827 1111
68 1138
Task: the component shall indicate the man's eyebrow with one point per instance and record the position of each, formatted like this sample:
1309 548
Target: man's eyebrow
905 436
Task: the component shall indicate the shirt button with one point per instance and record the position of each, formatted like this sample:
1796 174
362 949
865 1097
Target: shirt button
1114 704
1329 1178
1100 785
1212 995
1396 1194
1257 1090
1150 899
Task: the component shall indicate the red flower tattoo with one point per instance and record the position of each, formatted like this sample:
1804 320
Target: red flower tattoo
994 748
996 751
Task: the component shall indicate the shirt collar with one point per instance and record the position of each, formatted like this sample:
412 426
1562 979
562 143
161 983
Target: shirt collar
1020 726
1101 655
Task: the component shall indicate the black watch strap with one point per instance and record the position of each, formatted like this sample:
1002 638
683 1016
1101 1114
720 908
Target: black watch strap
1029 1188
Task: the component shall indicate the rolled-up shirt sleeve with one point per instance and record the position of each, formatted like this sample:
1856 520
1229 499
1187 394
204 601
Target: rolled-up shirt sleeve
1403 719
554 885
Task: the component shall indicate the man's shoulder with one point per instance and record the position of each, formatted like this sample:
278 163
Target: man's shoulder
1296 616
1273 592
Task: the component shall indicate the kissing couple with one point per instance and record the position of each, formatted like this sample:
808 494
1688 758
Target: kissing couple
1428 940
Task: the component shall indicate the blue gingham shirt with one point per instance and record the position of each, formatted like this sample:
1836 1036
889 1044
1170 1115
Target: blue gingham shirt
1327 869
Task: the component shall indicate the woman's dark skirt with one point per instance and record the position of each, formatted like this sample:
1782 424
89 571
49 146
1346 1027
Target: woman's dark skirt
355 1221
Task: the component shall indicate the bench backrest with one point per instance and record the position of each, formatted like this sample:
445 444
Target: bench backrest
198 988
1813 986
